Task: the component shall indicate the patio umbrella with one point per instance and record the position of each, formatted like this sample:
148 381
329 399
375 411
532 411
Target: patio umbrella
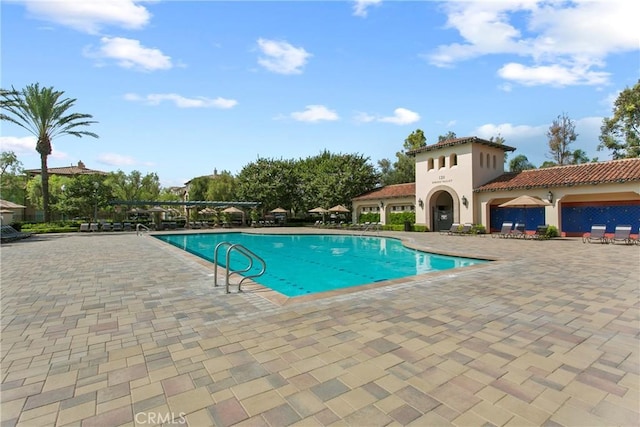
319 210
278 210
339 209
233 209
524 202
207 211
156 210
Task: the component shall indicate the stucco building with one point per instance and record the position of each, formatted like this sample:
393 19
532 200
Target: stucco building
463 180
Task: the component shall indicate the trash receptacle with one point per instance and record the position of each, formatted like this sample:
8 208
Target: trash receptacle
407 226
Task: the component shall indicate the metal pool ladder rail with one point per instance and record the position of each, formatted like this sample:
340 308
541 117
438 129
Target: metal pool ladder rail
228 272
141 227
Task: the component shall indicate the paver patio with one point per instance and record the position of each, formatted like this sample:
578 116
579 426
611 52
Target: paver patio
115 329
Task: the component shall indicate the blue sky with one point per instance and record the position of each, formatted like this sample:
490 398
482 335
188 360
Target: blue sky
182 87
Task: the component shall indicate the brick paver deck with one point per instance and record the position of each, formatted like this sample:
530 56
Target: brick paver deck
114 329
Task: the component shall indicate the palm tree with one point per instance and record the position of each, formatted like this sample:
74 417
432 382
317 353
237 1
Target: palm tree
44 113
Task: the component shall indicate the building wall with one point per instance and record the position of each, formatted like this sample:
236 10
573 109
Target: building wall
454 170
596 194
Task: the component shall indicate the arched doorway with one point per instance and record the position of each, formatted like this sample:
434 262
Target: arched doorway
441 211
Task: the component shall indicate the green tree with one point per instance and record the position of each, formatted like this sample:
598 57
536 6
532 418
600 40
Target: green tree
329 179
12 181
271 182
134 186
621 133
222 187
448 135
520 163
45 114
83 195
404 168
561 134
578 157
198 188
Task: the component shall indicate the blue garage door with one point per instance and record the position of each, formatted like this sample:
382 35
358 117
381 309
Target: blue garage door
577 218
532 217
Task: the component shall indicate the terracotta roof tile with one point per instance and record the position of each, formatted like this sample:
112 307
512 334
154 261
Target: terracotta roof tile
390 191
67 170
563 176
460 141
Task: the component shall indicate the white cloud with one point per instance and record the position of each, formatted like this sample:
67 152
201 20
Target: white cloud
113 159
364 118
281 57
564 42
360 7
553 75
181 101
129 53
315 113
401 116
510 131
19 145
90 16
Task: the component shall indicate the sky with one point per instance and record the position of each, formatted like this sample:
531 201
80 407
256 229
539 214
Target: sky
183 88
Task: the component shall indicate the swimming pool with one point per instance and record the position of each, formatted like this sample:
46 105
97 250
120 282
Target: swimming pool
303 264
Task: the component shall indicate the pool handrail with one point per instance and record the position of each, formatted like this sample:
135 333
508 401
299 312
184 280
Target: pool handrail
250 255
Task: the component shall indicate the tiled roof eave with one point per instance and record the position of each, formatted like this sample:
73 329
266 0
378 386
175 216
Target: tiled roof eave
553 185
378 197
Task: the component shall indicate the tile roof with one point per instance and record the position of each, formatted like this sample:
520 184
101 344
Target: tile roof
460 141
563 176
68 170
390 191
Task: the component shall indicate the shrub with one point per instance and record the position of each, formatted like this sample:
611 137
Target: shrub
478 229
369 217
552 231
401 218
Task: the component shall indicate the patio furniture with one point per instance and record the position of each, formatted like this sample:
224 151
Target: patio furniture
540 234
518 231
453 229
596 235
10 234
622 234
505 231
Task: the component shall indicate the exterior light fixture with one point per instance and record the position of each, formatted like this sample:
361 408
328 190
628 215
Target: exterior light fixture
550 196
381 204
420 203
465 202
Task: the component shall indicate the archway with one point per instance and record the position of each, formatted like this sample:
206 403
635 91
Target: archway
442 210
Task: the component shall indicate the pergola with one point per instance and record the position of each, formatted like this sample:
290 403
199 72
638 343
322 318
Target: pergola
189 204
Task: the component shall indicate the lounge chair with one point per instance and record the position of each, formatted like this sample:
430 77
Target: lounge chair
94 226
622 234
127 226
10 234
518 231
596 235
117 226
452 230
540 234
106 226
505 231
84 226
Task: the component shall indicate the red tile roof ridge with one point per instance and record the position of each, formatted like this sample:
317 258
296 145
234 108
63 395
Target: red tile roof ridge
620 170
390 191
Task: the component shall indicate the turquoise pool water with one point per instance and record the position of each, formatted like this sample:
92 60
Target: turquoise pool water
302 264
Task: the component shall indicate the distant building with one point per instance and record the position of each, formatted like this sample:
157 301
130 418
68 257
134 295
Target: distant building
72 170
463 180
31 213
